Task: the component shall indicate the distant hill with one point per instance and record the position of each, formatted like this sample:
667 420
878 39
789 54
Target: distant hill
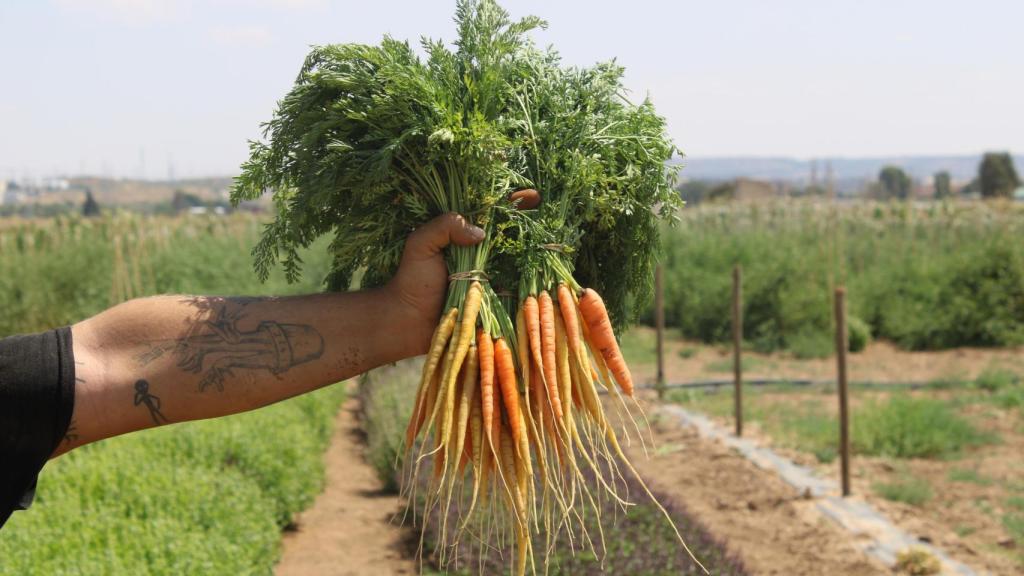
793 169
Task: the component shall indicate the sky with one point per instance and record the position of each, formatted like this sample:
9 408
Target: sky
161 88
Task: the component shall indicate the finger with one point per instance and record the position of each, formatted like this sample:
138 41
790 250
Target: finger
446 229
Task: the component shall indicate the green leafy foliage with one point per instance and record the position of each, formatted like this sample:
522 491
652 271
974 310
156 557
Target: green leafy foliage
909 427
997 177
907 489
924 278
207 497
372 141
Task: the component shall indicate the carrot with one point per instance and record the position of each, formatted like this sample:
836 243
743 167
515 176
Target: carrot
562 362
466 397
567 305
531 311
485 346
506 370
526 199
549 367
429 398
437 343
602 337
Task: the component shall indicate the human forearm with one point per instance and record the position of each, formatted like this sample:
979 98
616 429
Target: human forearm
171 358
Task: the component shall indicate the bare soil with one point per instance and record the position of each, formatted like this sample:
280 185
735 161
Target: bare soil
768 523
349 530
880 362
962 517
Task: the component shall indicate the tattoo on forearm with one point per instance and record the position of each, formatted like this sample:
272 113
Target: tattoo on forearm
151 402
223 347
72 432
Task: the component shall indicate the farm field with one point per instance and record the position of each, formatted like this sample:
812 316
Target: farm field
941 459
956 339
920 276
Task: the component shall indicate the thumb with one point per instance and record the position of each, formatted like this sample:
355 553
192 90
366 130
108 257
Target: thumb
450 228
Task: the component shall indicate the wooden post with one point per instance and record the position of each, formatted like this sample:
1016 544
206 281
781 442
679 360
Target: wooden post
844 403
659 323
737 346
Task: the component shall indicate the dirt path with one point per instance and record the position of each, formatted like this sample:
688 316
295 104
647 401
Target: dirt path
762 519
348 530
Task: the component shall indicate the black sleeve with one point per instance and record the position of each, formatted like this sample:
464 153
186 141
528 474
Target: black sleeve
37 396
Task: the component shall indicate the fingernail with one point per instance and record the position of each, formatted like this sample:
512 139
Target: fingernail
477 232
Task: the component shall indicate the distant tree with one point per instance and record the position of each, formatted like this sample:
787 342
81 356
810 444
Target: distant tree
997 177
894 183
90 207
723 191
183 201
943 185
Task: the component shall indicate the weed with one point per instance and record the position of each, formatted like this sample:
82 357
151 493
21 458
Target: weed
907 489
996 380
970 476
917 562
909 427
688 352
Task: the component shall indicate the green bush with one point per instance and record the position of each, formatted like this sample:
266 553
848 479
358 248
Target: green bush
858 334
206 497
933 278
909 490
908 427
995 380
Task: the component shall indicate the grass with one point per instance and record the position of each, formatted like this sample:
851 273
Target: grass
901 427
969 476
639 346
907 489
748 363
207 497
911 427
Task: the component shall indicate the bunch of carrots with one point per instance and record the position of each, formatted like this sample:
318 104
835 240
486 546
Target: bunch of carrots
523 414
524 394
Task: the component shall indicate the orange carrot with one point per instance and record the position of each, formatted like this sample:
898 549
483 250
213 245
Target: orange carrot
567 305
506 370
531 311
486 347
602 337
549 367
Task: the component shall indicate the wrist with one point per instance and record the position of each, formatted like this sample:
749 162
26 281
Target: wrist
408 330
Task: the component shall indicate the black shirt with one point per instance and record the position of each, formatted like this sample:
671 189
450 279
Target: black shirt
37 396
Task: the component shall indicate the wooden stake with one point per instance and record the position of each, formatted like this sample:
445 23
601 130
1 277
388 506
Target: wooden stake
737 345
844 403
659 323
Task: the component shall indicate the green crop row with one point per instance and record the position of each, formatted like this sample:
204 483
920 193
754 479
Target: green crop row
924 277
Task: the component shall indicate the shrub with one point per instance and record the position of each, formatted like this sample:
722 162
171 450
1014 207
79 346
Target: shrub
858 334
917 562
908 427
909 490
204 497
995 380
924 279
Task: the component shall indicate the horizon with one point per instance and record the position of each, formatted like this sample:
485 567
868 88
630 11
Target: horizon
794 80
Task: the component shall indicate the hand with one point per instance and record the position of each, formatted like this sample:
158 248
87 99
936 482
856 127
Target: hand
418 288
